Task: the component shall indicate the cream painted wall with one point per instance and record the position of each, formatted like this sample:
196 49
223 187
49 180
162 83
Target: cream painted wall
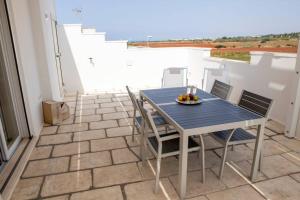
33 52
27 62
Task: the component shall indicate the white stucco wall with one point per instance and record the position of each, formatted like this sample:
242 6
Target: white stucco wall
43 16
82 73
295 114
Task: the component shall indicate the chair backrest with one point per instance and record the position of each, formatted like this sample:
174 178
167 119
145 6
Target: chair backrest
132 97
174 77
255 103
221 90
147 119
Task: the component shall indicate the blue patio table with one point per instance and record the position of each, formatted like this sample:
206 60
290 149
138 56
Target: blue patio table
213 114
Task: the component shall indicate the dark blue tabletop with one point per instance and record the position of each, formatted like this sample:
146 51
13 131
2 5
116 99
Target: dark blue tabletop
167 95
212 111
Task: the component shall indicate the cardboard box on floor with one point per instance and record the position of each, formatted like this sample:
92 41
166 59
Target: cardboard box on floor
55 112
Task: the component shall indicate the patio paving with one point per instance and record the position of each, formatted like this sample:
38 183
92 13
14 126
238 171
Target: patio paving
91 156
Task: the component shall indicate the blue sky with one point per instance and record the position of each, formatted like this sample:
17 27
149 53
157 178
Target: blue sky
178 19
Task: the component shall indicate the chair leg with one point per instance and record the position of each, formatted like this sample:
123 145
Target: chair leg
200 143
133 129
260 161
223 161
158 164
142 149
202 158
142 145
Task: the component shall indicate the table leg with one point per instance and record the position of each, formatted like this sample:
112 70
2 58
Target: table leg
257 151
183 164
142 144
142 100
142 140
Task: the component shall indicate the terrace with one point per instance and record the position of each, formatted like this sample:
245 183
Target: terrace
91 154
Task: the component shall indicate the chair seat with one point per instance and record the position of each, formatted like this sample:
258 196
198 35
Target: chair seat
239 135
158 120
171 145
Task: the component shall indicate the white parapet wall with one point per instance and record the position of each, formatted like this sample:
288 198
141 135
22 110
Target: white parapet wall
145 65
268 74
90 63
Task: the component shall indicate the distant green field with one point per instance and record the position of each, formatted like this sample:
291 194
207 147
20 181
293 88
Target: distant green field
235 48
243 56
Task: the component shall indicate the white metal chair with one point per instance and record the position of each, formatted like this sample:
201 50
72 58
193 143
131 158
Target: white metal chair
221 90
174 77
137 120
165 145
251 102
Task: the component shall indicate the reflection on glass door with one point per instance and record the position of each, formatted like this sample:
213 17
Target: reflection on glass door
9 128
2 156
9 133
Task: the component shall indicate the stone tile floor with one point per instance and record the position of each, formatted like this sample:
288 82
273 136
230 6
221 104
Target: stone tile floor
91 156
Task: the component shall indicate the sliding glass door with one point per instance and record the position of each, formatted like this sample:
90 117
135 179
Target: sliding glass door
13 125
